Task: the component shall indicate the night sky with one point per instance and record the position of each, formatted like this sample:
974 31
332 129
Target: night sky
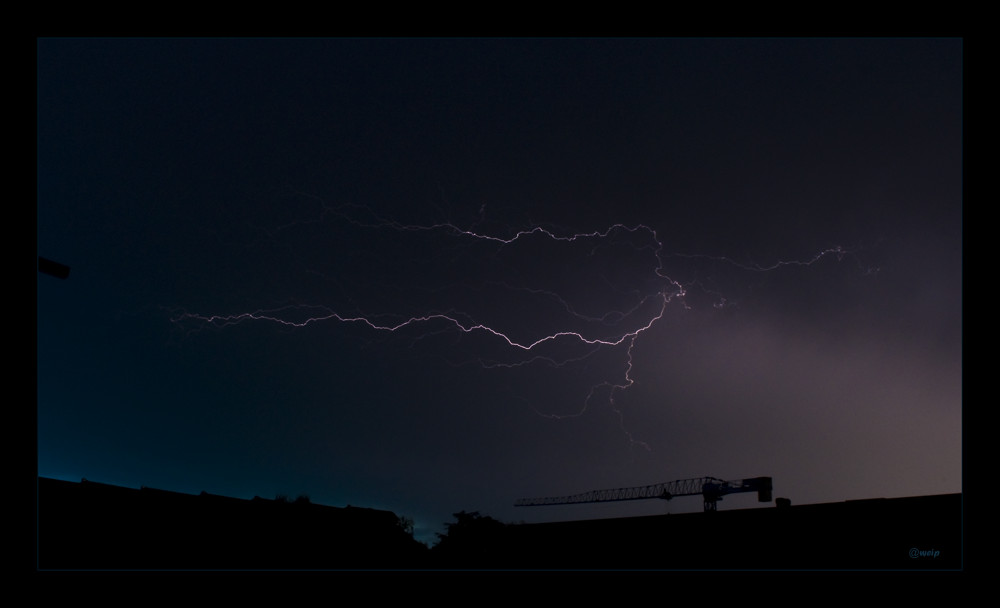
434 275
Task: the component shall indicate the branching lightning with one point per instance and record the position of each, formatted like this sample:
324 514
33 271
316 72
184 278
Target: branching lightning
578 336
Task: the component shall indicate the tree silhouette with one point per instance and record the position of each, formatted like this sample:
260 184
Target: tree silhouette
472 541
405 524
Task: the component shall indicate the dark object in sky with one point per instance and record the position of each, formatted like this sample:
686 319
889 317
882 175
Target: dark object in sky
711 488
55 269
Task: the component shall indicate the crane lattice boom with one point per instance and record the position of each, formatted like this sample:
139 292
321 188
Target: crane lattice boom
712 488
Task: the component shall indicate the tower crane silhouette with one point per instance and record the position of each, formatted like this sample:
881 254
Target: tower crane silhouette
712 490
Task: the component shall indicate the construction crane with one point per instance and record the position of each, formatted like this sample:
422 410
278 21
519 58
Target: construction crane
712 490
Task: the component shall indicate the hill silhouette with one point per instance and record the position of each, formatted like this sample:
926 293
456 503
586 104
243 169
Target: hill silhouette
90 525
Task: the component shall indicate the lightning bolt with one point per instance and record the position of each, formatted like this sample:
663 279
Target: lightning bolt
583 335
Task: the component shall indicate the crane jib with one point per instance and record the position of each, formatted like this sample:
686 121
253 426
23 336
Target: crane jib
711 488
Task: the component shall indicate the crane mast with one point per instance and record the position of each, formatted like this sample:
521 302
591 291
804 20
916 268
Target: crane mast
712 490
